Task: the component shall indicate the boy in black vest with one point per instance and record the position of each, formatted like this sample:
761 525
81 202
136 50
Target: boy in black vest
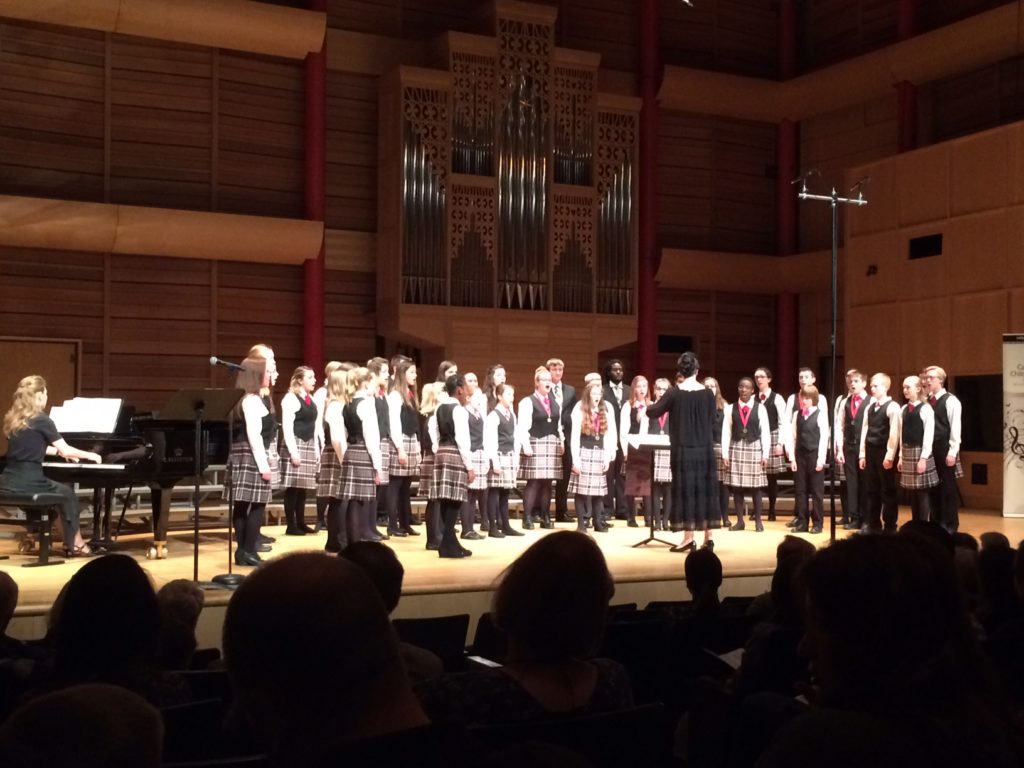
880 437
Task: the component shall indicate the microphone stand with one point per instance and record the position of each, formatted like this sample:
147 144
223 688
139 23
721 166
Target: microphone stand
834 200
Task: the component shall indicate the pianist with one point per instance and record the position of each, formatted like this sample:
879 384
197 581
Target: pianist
31 436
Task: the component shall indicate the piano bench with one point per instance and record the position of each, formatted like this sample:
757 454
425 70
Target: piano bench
40 509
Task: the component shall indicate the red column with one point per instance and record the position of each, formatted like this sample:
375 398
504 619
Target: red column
906 92
787 157
649 257
314 270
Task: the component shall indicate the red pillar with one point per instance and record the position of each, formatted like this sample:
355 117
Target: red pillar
314 270
906 92
649 257
787 157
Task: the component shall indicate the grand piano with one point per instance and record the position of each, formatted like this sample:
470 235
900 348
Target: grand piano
141 450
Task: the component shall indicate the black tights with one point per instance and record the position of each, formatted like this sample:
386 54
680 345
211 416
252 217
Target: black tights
477 500
537 494
920 504
400 504
449 514
497 510
757 497
337 524
248 519
590 509
433 523
295 508
661 503
773 495
322 502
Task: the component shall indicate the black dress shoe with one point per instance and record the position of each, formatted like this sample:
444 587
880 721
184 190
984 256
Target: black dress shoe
409 531
471 536
264 548
601 528
294 532
265 539
320 526
771 517
305 529
496 533
631 523
709 545
510 531
816 529
739 525
851 527
397 533
800 528
333 547
374 535
247 558
527 525
688 546
794 523
433 546
759 528
454 553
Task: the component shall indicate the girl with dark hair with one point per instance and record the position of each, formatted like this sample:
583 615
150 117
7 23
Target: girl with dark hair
300 459
691 409
503 447
542 441
403 399
320 401
720 471
494 378
444 370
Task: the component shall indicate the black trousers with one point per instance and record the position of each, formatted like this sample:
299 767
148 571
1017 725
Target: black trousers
880 489
615 499
945 501
852 495
809 486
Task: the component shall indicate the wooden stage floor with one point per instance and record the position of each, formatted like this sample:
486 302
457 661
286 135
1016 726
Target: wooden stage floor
435 586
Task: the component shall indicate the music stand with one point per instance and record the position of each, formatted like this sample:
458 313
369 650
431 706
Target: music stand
201 406
640 477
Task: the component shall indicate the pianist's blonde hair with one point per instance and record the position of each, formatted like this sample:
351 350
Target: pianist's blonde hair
24 405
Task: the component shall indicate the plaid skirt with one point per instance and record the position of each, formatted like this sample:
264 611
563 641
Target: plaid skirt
304 475
662 465
426 475
591 481
545 464
958 471
450 478
388 459
720 470
328 484
777 465
745 465
275 465
909 479
411 446
357 480
507 477
481 466
243 476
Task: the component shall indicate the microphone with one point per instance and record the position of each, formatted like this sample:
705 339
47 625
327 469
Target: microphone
226 364
859 184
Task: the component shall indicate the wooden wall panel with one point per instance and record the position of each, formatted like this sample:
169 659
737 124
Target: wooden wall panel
352 151
351 323
260 142
834 30
161 124
51 111
609 27
736 36
716 186
379 17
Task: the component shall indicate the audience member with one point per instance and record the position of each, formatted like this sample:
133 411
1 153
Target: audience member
551 603
180 602
385 570
83 726
703 572
9 646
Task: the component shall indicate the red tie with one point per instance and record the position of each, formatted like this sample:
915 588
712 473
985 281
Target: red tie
308 400
661 420
745 413
856 405
597 423
932 401
546 402
762 398
912 407
806 412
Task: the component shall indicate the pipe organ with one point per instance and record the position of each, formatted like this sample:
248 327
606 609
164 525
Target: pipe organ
507 181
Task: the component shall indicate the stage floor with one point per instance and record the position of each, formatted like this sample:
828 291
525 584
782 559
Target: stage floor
435 586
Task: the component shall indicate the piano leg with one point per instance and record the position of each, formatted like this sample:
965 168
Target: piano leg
161 498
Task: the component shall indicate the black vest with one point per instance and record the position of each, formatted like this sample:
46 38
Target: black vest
476 431
878 424
771 409
752 432
383 417
808 432
913 426
654 427
305 419
353 424
716 438
446 424
942 428
634 421
506 432
543 425
853 426
410 420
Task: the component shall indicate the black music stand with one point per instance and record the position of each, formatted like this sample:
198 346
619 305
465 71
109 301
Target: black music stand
639 482
201 406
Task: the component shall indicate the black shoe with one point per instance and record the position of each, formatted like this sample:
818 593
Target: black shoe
709 545
851 526
306 530
816 529
496 533
396 532
321 525
433 546
739 525
333 547
631 523
247 558
601 528
510 531
527 525
264 548
547 525
408 531
759 527
455 553
374 535
265 539
688 546
561 517
294 532
472 536
793 523
800 528
771 517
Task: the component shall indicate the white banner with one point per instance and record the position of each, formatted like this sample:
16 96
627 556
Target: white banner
1013 425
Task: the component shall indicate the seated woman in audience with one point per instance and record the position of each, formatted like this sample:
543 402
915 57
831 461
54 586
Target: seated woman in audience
551 603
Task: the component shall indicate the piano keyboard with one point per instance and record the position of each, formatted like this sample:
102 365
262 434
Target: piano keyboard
84 465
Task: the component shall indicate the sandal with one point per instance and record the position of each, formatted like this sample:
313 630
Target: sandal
83 550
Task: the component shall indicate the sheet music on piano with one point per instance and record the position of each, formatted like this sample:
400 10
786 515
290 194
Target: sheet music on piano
87 414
